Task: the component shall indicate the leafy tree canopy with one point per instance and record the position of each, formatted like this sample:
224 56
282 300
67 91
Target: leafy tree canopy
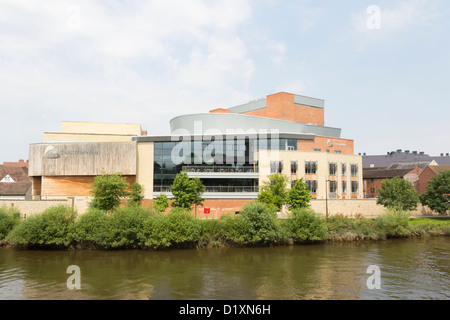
398 193
437 196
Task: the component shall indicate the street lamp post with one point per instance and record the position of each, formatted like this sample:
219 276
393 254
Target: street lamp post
326 197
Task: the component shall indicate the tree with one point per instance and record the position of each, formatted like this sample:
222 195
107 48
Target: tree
136 195
438 191
186 192
397 193
274 192
108 189
161 203
299 196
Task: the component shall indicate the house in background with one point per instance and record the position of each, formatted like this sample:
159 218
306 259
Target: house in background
15 184
428 173
410 171
400 156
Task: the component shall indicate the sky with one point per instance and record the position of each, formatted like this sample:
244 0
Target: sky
382 67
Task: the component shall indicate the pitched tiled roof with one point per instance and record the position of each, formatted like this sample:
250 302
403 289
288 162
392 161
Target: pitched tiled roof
18 174
384 161
377 173
439 169
21 184
410 165
14 188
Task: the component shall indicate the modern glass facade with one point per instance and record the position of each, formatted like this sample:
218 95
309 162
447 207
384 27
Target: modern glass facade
209 156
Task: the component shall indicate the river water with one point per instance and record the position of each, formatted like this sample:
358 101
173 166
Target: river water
409 269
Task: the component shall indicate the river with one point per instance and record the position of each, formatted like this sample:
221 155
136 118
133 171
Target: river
408 269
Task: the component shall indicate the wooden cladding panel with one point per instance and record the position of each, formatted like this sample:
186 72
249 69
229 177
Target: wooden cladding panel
71 186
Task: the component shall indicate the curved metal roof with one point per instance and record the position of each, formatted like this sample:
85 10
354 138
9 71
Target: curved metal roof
206 123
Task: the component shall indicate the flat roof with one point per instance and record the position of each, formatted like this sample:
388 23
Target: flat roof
194 137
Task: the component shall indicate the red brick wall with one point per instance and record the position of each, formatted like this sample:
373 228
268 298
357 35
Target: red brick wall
425 176
281 106
218 207
368 185
346 146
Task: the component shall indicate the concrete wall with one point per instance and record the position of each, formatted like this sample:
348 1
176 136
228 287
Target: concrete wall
356 207
29 208
218 207
32 207
82 159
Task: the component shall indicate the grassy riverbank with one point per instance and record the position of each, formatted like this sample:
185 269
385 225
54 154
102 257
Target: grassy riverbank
141 228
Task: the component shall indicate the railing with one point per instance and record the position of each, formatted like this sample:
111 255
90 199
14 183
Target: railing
220 169
223 189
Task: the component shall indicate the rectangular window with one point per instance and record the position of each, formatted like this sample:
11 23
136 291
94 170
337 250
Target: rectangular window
354 186
276 167
310 167
337 151
344 187
332 168
311 185
294 167
344 168
354 170
372 190
293 183
317 149
333 186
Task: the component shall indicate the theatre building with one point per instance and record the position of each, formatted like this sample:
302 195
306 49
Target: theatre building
233 151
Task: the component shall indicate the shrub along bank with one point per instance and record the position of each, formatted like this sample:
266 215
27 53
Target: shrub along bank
135 227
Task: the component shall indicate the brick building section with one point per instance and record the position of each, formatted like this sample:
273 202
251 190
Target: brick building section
427 174
218 207
373 178
345 146
281 106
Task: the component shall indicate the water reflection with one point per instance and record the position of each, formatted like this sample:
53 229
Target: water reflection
411 269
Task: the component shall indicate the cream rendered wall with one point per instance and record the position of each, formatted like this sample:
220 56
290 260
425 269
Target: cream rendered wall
322 158
80 137
94 131
101 128
145 161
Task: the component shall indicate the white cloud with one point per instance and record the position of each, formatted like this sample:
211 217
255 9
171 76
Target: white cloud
277 51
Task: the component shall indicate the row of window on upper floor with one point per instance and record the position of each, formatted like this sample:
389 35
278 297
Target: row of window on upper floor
311 185
311 167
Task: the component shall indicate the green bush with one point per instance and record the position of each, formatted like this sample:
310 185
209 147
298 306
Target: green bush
210 232
394 223
306 225
176 229
124 226
350 229
256 224
92 229
52 228
9 218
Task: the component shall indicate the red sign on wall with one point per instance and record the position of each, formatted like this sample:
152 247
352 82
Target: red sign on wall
207 210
